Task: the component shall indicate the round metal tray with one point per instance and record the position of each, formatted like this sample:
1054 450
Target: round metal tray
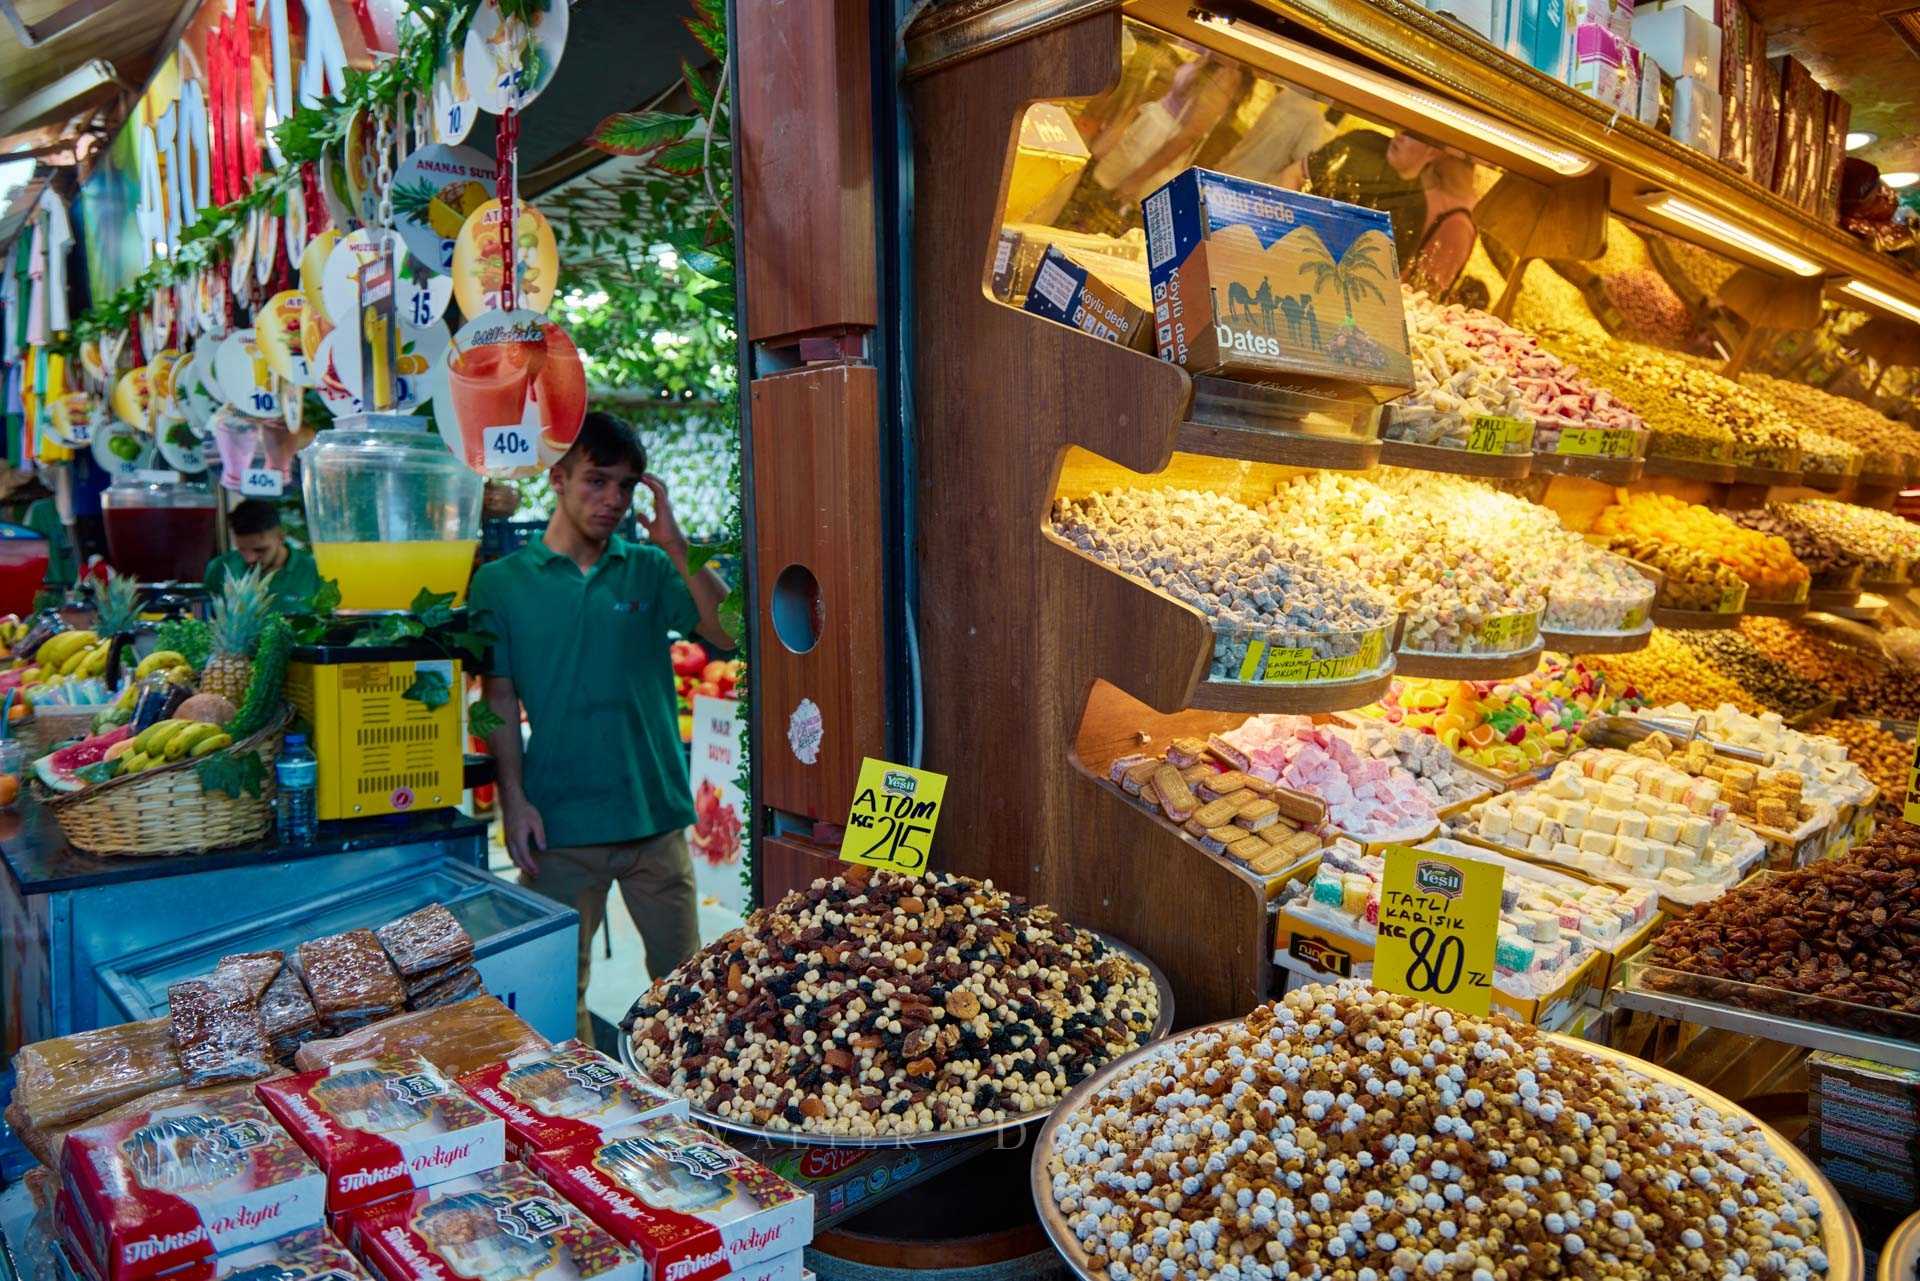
1471 667
802 1139
1456 462
1611 471
1845 1258
1598 642
1900 1259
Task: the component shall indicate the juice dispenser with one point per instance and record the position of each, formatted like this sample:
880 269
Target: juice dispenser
390 511
159 529
24 555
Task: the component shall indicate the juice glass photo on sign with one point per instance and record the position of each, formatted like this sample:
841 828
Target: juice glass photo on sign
244 376
375 284
334 393
130 396
513 395
513 48
453 106
237 438
277 331
434 191
479 263
419 365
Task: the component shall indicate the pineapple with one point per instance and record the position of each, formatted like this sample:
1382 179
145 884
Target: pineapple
242 610
116 604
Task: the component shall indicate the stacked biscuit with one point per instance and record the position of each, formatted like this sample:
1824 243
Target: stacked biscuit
1207 788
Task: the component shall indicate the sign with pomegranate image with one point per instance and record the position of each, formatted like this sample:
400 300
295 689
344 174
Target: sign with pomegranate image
512 396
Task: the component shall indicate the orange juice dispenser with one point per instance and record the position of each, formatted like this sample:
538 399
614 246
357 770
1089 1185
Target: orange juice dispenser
390 511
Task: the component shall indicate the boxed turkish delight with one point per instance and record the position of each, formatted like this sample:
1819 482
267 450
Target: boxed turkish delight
503 1224
152 1191
380 1127
694 1208
1270 285
567 1095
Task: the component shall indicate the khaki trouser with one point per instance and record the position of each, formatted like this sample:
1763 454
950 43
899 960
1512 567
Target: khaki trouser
656 880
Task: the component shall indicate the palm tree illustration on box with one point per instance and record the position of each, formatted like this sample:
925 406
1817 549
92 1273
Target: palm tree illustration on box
1350 278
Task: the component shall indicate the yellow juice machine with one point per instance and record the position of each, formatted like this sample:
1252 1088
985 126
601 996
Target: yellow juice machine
379 751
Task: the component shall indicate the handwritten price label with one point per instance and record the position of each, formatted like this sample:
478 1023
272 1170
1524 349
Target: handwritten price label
895 810
1276 665
262 482
1491 434
1595 442
1731 599
506 447
1509 632
1439 924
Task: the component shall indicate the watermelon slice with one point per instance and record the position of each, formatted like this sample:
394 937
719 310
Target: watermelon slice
60 770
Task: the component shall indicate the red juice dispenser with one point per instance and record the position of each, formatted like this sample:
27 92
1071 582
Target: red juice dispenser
23 568
159 529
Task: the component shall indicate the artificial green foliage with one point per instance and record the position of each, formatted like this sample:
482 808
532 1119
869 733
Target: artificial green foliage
267 681
191 638
234 774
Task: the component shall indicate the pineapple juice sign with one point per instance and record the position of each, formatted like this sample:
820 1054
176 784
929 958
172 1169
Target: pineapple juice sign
434 190
895 809
1439 922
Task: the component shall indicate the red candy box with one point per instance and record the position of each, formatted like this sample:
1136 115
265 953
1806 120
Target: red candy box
694 1208
155 1191
504 1225
380 1127
565 1096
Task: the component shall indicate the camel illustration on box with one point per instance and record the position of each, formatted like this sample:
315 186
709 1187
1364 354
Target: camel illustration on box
1261 283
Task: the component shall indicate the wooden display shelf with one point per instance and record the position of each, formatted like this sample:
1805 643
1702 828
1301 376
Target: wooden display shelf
1692 469
1840 598
1577 643
1471 667
1894 585
1266 445
1828 482
1778 608
1296 700
1771 477
1455 462
1697 620
1611 471
1881 480
1867 608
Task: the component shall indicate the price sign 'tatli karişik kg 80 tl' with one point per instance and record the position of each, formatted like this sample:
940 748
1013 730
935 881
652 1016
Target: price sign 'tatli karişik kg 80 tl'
895 810
1439 923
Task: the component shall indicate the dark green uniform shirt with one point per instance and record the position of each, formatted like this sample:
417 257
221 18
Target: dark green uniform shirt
588 654
293 583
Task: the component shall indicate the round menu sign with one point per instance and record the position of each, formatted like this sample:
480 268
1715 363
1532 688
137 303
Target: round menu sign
513 394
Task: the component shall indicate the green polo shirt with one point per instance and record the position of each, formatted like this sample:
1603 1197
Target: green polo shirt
589 656
293 583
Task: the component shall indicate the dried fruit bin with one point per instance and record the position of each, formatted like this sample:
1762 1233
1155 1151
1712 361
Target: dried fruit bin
1013 1128
1776 1014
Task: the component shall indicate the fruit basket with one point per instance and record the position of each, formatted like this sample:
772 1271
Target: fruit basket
168 810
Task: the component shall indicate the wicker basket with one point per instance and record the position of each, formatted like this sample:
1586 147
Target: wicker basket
165 810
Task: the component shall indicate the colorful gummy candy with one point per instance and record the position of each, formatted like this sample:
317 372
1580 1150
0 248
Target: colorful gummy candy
1504 726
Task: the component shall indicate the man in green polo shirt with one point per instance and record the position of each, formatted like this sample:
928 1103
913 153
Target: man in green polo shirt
258 540
580 618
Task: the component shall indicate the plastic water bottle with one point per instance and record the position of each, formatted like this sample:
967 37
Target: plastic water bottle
297 774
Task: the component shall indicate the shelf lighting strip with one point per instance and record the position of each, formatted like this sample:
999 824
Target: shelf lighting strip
1879 297
1352 77
1692 216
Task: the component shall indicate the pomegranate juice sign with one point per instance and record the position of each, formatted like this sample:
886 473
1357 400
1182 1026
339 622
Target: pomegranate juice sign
718 805
380 1127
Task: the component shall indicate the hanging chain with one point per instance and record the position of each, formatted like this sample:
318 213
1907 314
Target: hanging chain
383 178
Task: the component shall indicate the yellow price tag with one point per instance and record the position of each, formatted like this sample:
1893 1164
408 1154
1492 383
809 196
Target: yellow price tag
1275 666
1595 442
1509 632
1439 923
1731 599
1492 434
1636 619
895 809
1911 810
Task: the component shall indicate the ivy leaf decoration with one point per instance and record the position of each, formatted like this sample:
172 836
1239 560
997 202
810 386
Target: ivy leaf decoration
234 774
429 688
636 133
482 720
394 629
433 609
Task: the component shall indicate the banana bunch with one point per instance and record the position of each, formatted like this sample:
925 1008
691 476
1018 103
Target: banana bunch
76 653
12 631
170 661
167 742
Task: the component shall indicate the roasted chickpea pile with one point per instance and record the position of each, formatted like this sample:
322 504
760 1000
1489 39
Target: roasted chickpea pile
1347 1133
892 1005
